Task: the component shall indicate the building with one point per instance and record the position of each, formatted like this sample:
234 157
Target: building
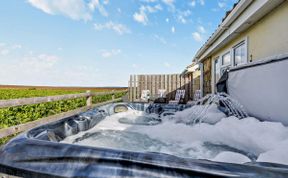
252 30
192 72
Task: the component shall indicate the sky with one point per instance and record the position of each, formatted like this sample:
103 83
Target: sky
101 42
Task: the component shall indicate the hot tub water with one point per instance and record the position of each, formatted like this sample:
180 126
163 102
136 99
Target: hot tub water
229 140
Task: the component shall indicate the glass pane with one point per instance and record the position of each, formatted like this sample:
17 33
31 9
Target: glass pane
226 59
240 54
217 70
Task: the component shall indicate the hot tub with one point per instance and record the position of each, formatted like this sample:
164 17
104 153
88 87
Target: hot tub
124 140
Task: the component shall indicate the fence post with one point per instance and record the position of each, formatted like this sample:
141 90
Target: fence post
89 99
113 95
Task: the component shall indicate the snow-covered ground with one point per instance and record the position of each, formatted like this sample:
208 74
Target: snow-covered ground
218 138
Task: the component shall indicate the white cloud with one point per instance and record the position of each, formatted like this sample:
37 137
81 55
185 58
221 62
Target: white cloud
167 20
6 49
142 15
182 19
201 29
48 69
95 4
74 9
151 9
193 3
173 29
169 3
32 68
221 5
41 61
34 71
29 69
117 27
31 64
202 2
183 15
110 53
197 36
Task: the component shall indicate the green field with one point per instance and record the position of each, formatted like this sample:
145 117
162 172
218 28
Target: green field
23 114
26 93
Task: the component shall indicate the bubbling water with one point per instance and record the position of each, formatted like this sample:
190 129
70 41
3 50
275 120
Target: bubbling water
232 107
216 128
211 109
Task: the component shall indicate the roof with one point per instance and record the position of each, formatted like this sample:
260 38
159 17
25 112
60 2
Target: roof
190 69
227 13
243 15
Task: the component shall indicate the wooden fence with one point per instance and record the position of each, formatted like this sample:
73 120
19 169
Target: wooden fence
169 82
27 101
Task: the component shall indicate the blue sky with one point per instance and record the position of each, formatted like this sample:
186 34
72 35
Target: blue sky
101 42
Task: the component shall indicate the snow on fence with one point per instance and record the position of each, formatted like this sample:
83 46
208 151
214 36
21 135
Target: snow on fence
37 100
153 83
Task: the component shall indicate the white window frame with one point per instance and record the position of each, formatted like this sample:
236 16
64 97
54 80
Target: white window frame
242 42
221 61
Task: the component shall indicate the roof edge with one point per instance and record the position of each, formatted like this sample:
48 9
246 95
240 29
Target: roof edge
234 14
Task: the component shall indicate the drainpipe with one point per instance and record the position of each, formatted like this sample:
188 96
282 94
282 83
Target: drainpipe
201 79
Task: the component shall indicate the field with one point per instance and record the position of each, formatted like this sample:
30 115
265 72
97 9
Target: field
23 114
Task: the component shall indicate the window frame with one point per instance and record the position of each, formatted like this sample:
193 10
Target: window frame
221 61
243 42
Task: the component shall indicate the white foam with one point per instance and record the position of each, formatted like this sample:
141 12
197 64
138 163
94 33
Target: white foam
210 115
247 136
231 157
276 155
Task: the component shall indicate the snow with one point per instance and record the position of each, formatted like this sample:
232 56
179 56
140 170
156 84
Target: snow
222 139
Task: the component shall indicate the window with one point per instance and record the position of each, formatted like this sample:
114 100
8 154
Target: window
226 59
226 62
240 56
